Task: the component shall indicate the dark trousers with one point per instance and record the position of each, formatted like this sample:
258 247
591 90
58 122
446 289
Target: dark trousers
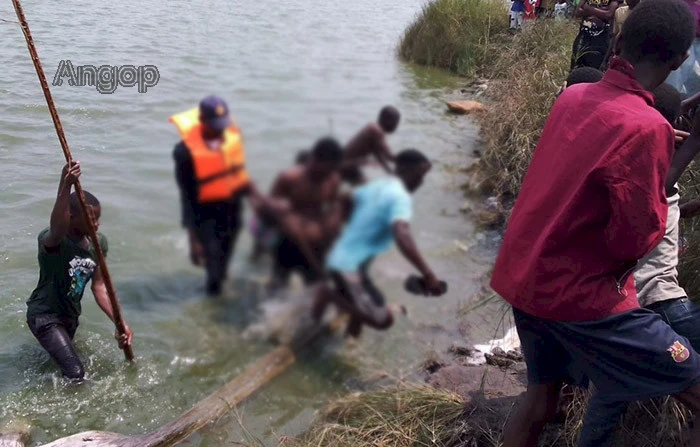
217 228
589 51
55 334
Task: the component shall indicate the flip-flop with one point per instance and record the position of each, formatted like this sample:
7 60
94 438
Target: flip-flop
417 286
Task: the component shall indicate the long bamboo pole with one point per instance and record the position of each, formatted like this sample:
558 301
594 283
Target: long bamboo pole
87 211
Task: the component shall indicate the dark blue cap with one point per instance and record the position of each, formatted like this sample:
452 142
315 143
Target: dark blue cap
213 112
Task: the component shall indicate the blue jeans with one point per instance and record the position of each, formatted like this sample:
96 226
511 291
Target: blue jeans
602 416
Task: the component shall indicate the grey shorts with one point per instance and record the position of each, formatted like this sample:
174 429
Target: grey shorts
359 289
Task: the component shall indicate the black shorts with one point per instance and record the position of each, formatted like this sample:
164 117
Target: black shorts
352 174
630 356
289 258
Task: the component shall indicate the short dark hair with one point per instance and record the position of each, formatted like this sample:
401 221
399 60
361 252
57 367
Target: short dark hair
411 158
74 202
667 102
658 31
389 118
584 75
302 157
327 150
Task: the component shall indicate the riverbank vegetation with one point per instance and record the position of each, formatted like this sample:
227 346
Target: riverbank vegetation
525 71
412 416
439 36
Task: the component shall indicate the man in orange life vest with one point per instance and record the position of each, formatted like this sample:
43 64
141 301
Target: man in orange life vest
210 172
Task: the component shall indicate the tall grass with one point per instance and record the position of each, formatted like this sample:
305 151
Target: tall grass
527 74
689 261
456 35
401 416
411 416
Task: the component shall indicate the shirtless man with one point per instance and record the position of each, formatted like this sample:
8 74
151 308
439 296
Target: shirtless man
315 215
370 141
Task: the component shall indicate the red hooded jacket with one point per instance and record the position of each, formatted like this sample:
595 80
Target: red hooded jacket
591 205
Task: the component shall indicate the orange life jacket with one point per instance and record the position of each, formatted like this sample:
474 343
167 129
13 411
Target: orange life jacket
219 174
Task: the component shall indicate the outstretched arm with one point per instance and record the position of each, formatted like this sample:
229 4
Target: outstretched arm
279 209
684 155
60 216
383 154
407 246
99 289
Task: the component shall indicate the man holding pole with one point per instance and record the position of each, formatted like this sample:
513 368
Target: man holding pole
210 172
67 261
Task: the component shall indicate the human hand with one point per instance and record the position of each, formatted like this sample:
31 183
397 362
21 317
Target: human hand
433 286
125 338
71 173
197 255
680 135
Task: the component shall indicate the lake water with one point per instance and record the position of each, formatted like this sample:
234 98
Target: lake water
291 71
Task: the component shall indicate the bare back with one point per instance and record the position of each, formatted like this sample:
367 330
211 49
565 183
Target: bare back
368 141
307 197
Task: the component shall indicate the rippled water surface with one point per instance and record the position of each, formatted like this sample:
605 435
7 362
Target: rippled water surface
291 71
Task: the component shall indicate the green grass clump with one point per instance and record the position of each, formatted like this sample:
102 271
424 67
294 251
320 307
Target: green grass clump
689 261
418 416
456 35
401 416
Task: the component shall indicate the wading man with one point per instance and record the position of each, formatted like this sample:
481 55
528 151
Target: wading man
312 190
212 178
67 262
370 141
381 212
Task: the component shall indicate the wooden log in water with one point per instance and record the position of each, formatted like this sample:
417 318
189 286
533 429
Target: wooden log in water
206 411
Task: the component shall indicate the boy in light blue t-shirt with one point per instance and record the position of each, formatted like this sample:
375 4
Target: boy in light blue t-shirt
381 213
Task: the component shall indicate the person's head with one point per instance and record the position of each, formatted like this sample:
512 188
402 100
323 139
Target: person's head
389 118
77 220
655 39
667 101
214 116
411 168
326 158
584 75
632 3
302 157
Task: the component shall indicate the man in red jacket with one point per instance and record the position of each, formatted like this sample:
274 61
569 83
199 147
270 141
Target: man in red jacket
592 204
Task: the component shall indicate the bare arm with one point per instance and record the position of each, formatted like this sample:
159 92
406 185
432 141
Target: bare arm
407 246
603 14
60 216
383 154
690 209
280 186
684 155
690 103
99 289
